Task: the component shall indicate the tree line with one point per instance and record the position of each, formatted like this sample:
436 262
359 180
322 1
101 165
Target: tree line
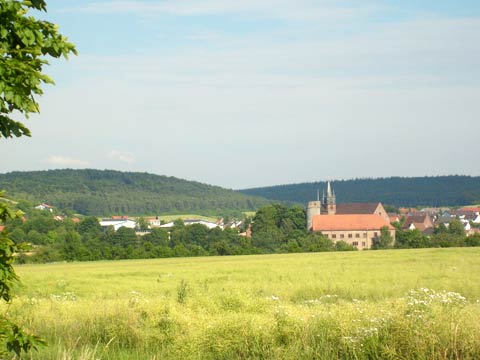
275 228
399 191
443 236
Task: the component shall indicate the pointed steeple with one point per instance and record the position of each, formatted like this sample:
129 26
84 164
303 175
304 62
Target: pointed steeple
329 189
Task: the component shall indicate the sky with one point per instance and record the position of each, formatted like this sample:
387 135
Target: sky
248 93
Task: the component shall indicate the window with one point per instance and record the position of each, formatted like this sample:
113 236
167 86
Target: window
341 236
363 243
350 236
364 235
355 243
375 234
334 236
357 235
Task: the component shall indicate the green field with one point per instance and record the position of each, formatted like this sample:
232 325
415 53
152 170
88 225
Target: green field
402 304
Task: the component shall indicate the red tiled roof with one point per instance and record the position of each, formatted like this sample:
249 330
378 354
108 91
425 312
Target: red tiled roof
349 222
472 209
421 222
357 208
407 210
415 219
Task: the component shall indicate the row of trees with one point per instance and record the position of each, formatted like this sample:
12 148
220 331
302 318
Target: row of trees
451 236
274 229
399 191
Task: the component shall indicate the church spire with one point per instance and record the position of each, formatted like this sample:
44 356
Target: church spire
330 201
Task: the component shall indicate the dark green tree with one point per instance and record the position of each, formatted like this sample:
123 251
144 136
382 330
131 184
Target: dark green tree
384 241
344 246
473 240
316 242
12 338
24 44
456 228
411 239
158 236
142 224
90 225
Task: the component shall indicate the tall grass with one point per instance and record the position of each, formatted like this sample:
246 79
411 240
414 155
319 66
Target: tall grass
412 304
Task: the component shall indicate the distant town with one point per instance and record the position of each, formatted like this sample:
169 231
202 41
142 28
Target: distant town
355 226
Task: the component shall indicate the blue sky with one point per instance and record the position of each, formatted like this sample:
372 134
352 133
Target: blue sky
261 92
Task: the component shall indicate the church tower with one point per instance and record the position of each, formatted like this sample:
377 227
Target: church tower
329 201
313 209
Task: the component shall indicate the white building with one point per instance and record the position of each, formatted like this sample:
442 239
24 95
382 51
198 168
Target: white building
44 207
118 223
187 222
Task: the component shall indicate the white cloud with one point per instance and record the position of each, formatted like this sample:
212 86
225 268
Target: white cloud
124 157
66 161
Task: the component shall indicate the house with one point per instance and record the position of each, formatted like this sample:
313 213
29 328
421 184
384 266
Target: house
407 211
358 230
446 214
233 224
445 220
187 222
473 231
473 209
469 214
419 222
394 218
153 221
117 223
44 206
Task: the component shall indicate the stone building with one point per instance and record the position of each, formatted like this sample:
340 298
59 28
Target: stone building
356 223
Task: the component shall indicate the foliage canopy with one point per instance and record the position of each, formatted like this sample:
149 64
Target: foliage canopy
24 43
108 192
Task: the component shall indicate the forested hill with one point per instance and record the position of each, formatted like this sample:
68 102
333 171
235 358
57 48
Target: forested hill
398 191
107 192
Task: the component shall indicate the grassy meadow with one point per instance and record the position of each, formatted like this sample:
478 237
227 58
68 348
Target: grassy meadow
401 304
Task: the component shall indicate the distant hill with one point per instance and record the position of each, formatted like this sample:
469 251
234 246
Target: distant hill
108 192
398 191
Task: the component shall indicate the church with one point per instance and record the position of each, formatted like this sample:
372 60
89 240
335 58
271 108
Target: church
356 223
